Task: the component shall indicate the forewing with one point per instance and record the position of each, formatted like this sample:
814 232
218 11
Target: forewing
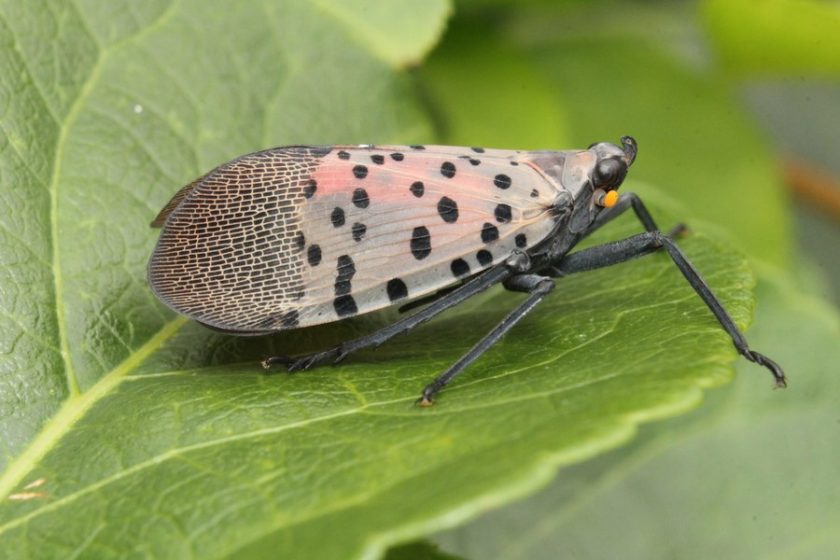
387 224
230 252
300 236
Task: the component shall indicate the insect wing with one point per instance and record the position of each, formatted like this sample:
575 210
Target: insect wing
395 223
301 236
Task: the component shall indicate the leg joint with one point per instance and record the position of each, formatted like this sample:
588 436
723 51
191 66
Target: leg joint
518 261
529 283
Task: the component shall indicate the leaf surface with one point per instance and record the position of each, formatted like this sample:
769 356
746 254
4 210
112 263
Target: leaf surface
750 475
127 430
482 91
102 127
564 74
779 38
398 32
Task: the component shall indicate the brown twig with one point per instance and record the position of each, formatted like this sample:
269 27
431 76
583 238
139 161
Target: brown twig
814 185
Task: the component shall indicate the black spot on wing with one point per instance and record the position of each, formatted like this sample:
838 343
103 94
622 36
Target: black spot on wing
360 172
319 151
345 270
502 181
396 289
448 210
310 188
359 231
313 255
503 213
345 306
361 198
489 233
460 268
447 169
421 243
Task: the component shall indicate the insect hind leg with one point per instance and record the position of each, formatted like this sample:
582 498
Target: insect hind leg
537 287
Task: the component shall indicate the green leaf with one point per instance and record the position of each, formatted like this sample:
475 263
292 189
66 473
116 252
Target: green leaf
750 475
693 139
126 105
418 551
482 91
400 33
565 76
128 431
222 459
775 38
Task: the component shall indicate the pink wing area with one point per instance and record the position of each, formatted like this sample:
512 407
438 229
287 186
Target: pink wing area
389 224
298 236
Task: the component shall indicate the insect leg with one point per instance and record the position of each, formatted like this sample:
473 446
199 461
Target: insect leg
427 299
626 201
645 243
537 287
335 354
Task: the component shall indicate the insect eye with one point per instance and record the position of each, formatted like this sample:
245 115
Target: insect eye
609 173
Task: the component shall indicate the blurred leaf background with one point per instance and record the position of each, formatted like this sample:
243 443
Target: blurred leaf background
734 104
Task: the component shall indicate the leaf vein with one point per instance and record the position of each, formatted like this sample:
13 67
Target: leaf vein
75 407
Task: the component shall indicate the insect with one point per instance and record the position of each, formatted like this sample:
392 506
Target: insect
303 235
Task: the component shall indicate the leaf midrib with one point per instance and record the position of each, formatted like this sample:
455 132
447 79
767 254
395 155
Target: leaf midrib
58 282
176 452
73 409
77 402
90 82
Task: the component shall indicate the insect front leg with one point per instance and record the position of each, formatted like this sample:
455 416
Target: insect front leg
625 202
617 252
537 287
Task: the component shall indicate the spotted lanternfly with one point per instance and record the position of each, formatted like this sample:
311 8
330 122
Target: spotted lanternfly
303 235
